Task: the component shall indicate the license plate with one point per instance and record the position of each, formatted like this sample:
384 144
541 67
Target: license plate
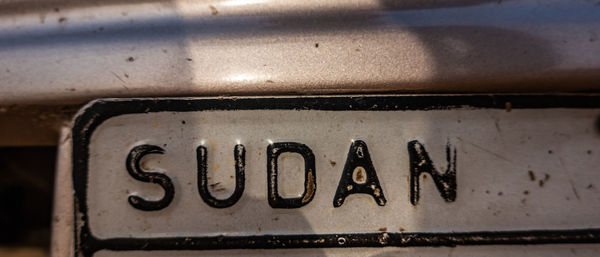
335 172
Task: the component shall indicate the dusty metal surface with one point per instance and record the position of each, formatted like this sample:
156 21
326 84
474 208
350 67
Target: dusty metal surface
67 52
63 51
62 216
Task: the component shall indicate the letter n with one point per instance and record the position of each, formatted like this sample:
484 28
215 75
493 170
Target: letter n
420 163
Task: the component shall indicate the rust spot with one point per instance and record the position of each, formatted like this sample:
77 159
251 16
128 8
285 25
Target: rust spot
541 183
531 175
310 187
508 106
383 229
402 229
189 59
316 45
546 176
130 59
332 163
270 81
500 193
62 19
213 10
525 192
359 175
377 192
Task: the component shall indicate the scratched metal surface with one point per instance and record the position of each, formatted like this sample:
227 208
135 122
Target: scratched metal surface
66 51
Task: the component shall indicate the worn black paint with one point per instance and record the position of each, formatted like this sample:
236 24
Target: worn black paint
310 177
133 167
352 240
86 244
239 153
358 156
421 163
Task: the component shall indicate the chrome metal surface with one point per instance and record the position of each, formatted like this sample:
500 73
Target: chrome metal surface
65 51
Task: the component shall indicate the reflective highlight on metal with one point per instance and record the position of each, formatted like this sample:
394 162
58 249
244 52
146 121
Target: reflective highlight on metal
66 51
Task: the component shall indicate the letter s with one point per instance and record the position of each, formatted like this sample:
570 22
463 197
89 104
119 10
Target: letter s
133 167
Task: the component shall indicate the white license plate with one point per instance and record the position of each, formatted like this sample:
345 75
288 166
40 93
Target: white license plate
331 172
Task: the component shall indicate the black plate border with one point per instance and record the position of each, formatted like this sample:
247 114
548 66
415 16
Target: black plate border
86 244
